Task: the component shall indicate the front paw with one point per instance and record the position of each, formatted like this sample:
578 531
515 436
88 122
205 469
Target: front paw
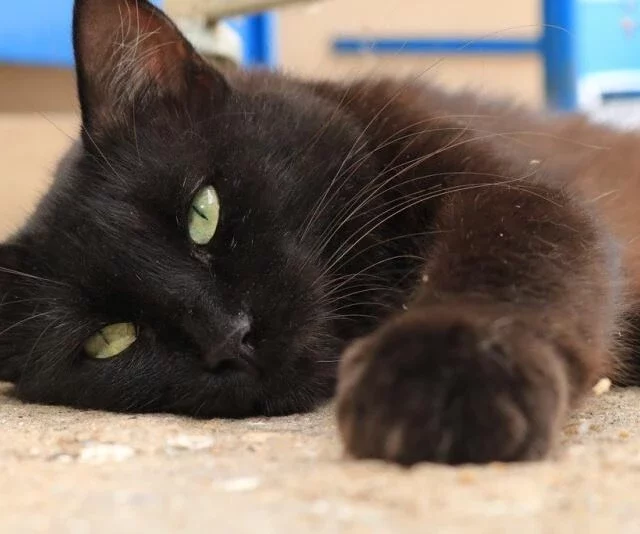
452 388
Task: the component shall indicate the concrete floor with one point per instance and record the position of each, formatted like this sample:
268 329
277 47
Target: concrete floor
74 472
64 471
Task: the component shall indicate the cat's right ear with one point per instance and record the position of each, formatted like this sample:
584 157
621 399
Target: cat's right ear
129 58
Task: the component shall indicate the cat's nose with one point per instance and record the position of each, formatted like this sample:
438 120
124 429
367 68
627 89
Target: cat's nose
236 352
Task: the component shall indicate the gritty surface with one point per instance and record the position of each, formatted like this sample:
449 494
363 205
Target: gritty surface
68 471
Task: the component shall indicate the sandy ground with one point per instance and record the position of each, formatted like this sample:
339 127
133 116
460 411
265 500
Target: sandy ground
65 471
71 472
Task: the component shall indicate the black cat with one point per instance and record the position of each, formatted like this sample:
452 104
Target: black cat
216 239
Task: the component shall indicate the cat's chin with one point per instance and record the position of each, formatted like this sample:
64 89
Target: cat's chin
245 399
299 402
256 403
298 387
286 397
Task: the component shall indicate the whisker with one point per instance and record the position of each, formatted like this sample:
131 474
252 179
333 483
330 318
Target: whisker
31 276
405 205
95 145
378 263
48 119
367 289
21 322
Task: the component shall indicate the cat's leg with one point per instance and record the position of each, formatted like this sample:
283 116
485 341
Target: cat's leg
511 326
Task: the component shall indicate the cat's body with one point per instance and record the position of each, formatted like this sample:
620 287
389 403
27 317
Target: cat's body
487 255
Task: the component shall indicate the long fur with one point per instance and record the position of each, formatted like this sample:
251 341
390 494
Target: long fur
484 258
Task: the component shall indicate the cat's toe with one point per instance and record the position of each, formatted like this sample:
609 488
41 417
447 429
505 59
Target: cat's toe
438 389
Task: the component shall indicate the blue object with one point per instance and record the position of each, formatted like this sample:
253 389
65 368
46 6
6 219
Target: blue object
608 67
590 50
555 46
558 49
38 32
616 47
435 46
258 35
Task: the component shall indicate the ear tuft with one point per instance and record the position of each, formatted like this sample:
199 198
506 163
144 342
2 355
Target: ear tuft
129 53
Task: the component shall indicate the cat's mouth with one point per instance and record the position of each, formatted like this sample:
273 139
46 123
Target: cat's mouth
241 364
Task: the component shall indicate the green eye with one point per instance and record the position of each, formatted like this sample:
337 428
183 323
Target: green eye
110 341
203 216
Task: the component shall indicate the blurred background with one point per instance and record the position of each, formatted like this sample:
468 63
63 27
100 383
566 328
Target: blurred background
562 54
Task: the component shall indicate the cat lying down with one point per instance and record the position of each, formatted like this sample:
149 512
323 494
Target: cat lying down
228 244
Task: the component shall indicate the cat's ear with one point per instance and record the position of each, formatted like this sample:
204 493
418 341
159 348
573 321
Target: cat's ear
128 56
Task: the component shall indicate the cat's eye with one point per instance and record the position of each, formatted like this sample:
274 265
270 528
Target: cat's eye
203 216
111 341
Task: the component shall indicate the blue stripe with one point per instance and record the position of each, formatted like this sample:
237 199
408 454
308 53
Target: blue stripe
259 40
349 45
558 51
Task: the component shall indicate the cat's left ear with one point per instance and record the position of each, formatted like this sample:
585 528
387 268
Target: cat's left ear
128 56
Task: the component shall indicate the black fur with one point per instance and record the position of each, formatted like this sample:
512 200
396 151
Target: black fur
489 291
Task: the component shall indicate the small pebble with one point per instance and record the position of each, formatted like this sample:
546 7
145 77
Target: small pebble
584 427
602 387
106 452
239 485
190 443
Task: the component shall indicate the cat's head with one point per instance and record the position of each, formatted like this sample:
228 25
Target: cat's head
192 216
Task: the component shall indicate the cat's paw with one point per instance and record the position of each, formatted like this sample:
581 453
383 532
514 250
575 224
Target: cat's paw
440 387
